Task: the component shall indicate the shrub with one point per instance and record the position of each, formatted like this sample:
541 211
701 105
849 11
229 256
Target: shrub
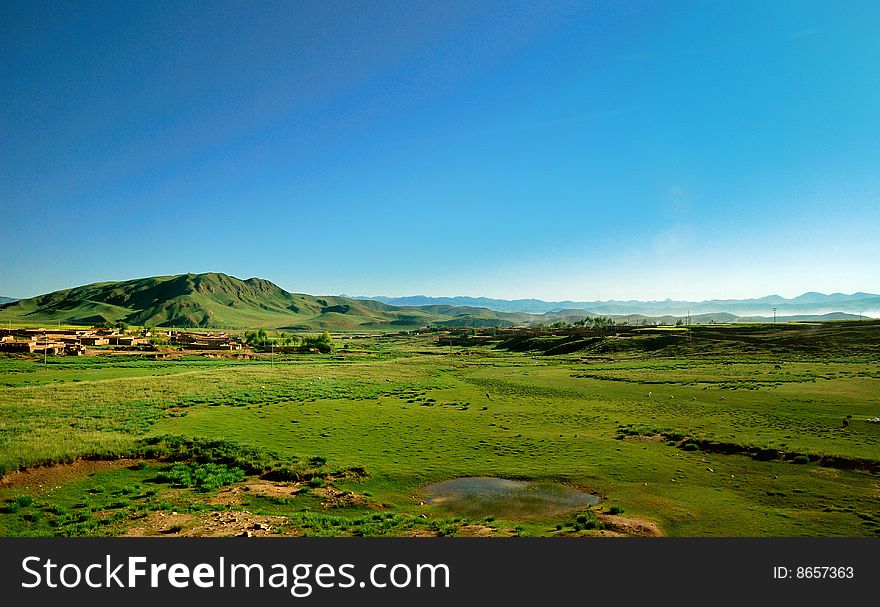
316 481
801 459
203 477
690 447
317 461
615 510
585 520
23 501
250 459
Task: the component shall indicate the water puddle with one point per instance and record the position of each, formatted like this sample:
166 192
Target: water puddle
482 496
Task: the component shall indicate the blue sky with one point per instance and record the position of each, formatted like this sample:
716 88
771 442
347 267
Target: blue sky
511 149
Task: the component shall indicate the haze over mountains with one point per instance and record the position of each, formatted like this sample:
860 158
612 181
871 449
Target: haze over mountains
811 303
215 300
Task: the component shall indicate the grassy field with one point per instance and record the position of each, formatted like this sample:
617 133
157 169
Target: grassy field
722 441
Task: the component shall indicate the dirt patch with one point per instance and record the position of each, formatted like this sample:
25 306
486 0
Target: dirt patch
231 523
609 533
646 437
477 530
630 526
233 494
56 475
331 497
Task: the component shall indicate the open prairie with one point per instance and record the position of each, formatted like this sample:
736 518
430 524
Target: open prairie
752 430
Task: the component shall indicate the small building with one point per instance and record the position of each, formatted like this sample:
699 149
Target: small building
18 346
75 350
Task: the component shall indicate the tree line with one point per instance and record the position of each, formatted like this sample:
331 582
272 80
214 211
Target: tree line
261 339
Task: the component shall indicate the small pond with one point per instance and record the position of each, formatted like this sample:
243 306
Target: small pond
482 496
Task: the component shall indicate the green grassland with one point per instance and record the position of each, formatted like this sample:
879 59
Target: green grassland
703 440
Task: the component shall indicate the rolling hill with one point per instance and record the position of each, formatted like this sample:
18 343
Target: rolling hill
215 300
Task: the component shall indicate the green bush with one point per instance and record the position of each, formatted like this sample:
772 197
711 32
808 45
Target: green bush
250 459
615 510
801 459
203 477
585 520
23 501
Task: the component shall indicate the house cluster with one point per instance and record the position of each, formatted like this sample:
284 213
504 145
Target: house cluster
71 342
205 341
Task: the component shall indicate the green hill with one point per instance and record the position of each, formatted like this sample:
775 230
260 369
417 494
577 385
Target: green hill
216 300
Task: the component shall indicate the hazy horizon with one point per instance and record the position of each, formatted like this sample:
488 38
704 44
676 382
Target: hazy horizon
292 289
561 151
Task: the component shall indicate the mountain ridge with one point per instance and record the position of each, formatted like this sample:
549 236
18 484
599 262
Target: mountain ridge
810 303
214 299
217 300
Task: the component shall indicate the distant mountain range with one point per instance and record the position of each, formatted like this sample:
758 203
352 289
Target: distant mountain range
4 300
215 300
811 303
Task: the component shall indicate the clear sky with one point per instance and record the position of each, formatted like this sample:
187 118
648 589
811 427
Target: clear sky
587 150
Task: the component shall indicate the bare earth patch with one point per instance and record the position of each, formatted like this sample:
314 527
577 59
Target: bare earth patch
212 524
477 530
330 496
56 475
647 437
625 526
